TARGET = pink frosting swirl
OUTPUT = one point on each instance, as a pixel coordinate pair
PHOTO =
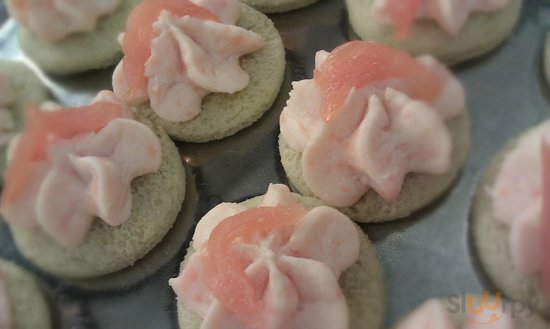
(451, 15)
(85, 177)
(297, 280)
(378, 137)
(519, 199)
(192, 57)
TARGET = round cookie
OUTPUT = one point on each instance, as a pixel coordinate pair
(278, 6)
(426, 37)
(362, 283)
(80, 52)
(490, 239)
(417, 191)
(29, 90)
(27, 86)
(29, 309)
(157, 257)
(156, 201)
(223, 115)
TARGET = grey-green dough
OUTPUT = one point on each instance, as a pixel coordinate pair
(362, 283)
(223, 115)
(490, 238)
(481, 33)
(156, 201)
(417, 191)
(29, 309)
(29, 90)
(278, 6)
(80, 52)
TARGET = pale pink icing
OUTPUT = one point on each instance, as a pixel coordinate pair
(298, 280)
(85, 177)
(451, 15)
(192, 57)
(356, 150)
(5, 309)
(54, 20)
(517, 199)
(433, 315)
(228, 12)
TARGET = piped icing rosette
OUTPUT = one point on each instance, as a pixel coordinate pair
(276, 265)
(446, 29)
(191, 49)
(72, 166)
(369, 117)
(520, 200)
(450, 15)
(54, 20)
(511, 222)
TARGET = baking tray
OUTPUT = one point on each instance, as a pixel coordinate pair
(426, 255)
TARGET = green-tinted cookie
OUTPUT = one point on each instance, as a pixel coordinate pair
(481, 33)
(80, 52)
(362, 283)
(156, 201)
(491, 240)
(223, 115)
(417, 192)
(29, 309)
(29, 90)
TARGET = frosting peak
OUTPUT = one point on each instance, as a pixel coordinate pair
(518, 198)
(293, 273)
(384, 139)
(191, 57)
(79, 176)
(377, 137)
(451, 15)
